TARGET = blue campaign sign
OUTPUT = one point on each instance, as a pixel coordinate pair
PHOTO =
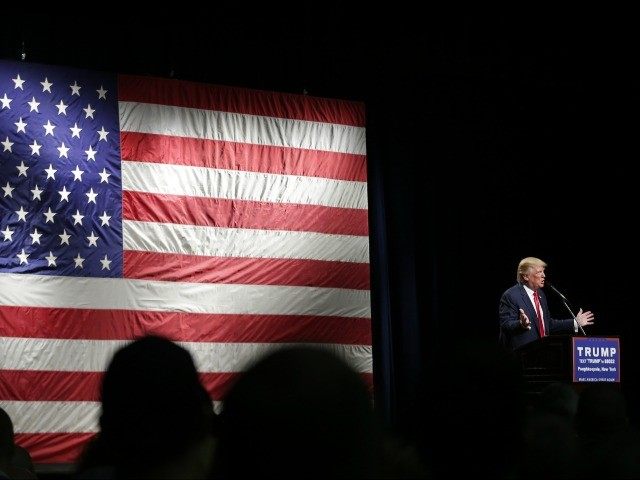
(596, 359)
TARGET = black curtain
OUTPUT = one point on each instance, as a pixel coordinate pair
(492, 138)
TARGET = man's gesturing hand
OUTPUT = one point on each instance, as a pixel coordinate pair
(524, 320)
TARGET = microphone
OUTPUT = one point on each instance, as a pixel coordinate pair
(565, 302)
(557, 291)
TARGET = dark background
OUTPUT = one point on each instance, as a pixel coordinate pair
(491, 137)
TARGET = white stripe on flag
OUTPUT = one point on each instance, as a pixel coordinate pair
(95, 355)
(57, 417)
(237, 357)
(243, 242)
(53, 417)
(127, 294)
(241, 128)
(239, 185)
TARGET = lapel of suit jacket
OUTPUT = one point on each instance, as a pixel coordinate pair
(530, 310)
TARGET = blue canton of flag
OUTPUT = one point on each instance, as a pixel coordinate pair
(60, 181)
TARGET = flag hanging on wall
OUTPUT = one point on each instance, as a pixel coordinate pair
(226, 219)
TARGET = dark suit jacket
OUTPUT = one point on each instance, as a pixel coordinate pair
(512, 335)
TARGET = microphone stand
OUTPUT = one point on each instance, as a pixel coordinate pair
(574, 317)
(564, 302)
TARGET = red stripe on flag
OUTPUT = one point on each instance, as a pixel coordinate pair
(35, 385)
(152, 148)
(54, 447)
(216, 212)
(173, 267)
(239, 100)
(38, 385)
(181, 326)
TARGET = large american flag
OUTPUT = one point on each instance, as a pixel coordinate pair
(229, 220)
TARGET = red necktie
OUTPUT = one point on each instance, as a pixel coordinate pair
(536, 300)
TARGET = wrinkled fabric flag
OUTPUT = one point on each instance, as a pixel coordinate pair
(229, 220)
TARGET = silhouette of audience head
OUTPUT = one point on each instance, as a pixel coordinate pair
(558, 399)
(297, 413)
(609, 445)
(475, 404)
(551, 417)
(15, 461)
(6, 440)
(154, 408)
(601, 411)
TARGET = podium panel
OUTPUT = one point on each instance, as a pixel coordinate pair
(546, 361)
(569, 359)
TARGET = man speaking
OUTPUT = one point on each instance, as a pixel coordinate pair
(524, 313)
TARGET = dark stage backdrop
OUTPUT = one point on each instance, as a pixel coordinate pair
(518, 140)
(491, 138)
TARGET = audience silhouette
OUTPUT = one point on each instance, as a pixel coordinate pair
(157, 420)
(301, 413)
(558, 398)
(475, 404)
(551, 449)
(609, 445)
(15, 461)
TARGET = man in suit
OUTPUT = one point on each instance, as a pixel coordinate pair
(524, 313)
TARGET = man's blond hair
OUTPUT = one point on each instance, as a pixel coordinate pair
(526, 265)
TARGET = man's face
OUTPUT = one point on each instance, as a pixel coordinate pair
(535, 278)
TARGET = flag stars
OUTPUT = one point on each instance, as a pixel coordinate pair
(23, 257)
(102, 93)
(77, 174)
(21, 126)
(33, 105)
(104, 219)
(63, 151)
(69, 110)
(18, 82)
(62, 108)
(22, 169)
(22, 214)
(64, 237)
(7, 190)
(91, 154)
(75, 131)
(78, 261)
(88, 111)
(103, 134)
(106, 263)
(51, 260)
(8, 234)
(91, 195)
(64, 194)
(51, 172)
(46, 85)
(36, 192)
(48, 128)
(104, 176)
(6, 102)
(77, 218)
(93, 240)
(35, 148)
(48, 216)
(35, 236)
(75, 88)
(7, 145)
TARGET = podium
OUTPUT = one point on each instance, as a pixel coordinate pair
(575, 360)
(546, 361)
